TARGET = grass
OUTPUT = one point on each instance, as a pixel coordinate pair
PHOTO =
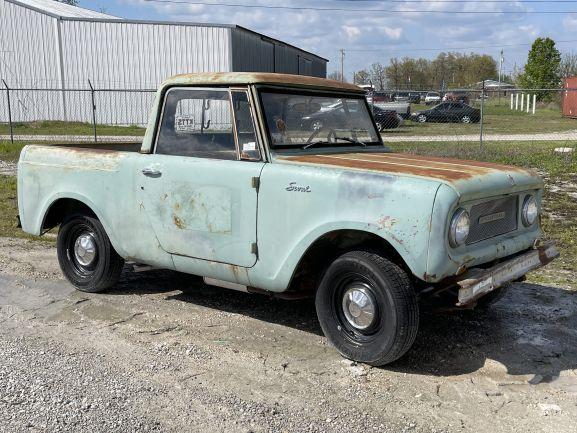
(497, 119)
(559, 219)
(70, 128)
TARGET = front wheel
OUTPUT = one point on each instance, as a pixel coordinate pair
(465, 119)
(367, 308)
(86, 256)
(421, 118)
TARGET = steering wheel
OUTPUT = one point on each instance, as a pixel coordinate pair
(330, 134)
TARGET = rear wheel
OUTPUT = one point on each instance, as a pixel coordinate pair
(465, 119)
(421, 118)
(380, 126)
(86, 256)
(367, 308)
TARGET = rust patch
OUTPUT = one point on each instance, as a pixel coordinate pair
(178, 222)
(440, 168)
(386, 222)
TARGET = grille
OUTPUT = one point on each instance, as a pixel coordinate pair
(493, 218)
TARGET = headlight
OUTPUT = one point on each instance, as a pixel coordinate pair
(530, 211)
(459, 230)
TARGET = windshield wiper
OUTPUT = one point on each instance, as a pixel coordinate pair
(313, 143)
(352, 140)
(325, 142)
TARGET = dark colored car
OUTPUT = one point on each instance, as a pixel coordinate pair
(448, 112)
(335, 116)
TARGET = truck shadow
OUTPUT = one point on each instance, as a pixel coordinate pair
(531, 331)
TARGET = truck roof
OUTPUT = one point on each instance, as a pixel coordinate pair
(244, 78)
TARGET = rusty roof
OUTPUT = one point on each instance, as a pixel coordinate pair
(243, 78)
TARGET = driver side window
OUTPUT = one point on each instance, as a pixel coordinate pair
(197, 123)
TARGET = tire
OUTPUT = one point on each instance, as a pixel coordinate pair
(491, 298)
(421, 118)
(86, 256)
(466, 119)
(395, 319)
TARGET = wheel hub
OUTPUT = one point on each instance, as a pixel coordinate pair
(359, 306)
(85, 249)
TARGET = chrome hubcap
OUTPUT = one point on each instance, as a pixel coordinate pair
(359, 307)
(85, 249)
(317, 125)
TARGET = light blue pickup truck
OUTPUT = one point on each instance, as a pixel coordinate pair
(233, 184)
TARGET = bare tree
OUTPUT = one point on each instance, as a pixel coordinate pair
(362, 77)
(378, 76)
(336, 75)
(568, 66)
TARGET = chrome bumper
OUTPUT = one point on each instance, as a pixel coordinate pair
(478, 282)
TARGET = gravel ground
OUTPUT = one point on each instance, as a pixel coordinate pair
(162, 352)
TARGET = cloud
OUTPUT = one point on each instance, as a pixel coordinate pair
(352, 32)
(392, 33)
(570, 22)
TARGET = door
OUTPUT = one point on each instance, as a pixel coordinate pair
(197, 190)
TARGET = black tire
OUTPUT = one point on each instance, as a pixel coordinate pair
(487, 301)
(396, 317)
(104, 269)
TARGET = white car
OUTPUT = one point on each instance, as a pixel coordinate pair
(432, 98)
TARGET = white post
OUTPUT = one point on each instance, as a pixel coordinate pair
(522, 101)
(528, 102)
(534, 102)
(516, 101)
(511, 101)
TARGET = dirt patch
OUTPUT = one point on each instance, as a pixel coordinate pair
(163, 352)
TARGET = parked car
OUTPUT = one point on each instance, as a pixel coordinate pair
(335, 116)
(448, 112)
(225, 187)
(456, 97)
(432, 98)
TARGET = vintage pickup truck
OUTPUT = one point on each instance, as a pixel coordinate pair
(228, 185)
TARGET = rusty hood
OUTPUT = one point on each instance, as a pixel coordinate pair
(470, 178)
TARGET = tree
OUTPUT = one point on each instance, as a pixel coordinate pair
(69, 2)
(568, 65)
(336, 75)
(542, 68)
(362, 77)
(378, 76)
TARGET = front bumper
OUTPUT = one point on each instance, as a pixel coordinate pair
(478, 282)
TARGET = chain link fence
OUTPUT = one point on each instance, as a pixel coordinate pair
(456, 119)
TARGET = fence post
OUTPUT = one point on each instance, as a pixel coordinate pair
(93, 110)
(528, 102)
(511, 101)
(481, 120)
(522, 101)
(516, 101)
(9, 111)
(534, 102)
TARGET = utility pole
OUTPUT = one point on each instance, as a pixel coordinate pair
(500, 70)
(342, 51)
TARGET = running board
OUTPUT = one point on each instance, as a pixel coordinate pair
(225, 284)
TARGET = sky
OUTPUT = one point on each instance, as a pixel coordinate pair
(378, 30)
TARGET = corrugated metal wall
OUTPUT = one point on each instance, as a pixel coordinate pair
(254, 52)
(28, 47)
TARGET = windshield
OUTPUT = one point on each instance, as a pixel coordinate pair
(304, 120)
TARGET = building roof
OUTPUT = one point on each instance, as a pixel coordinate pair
(243, 78)
(68, 12)
(60, 10)
(494, 83)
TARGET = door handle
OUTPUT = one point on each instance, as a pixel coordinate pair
(151, 172)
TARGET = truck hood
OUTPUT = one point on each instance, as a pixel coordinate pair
(470, 179)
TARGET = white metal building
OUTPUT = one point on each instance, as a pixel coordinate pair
(45, 44)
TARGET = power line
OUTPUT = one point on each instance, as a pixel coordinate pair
(371, 10)
(369, 50)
